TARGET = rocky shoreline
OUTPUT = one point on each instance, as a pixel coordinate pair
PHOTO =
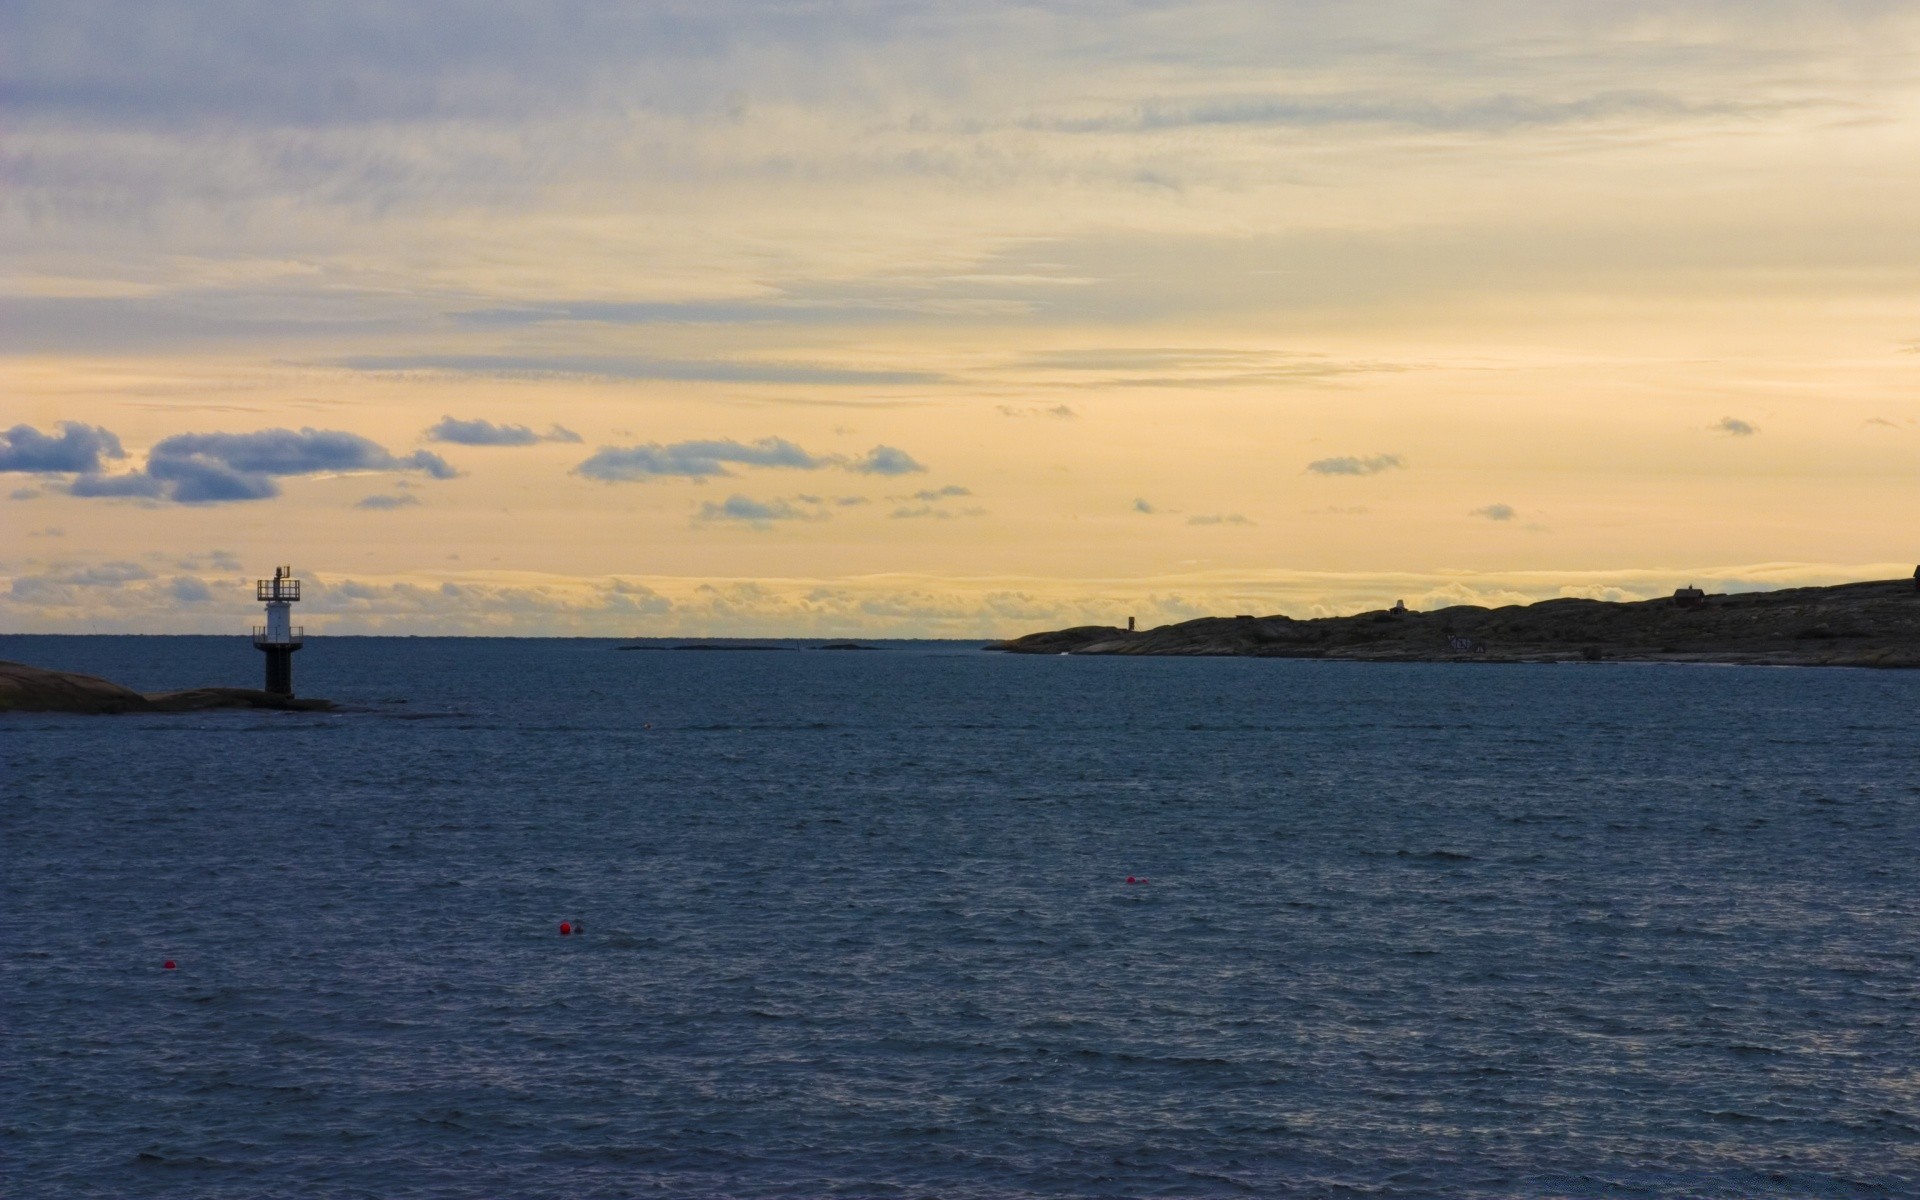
(36, 689)
(1849, 625)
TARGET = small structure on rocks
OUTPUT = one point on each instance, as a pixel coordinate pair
(1689, 597)
(279, 637)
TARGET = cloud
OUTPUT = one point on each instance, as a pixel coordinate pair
(387, 502)
(929, 512)
(510, 366)
(1495, 512)
(1141, 506)
(896, 605)
(696, 459)
(189, 590)
(931, 494)
(746, 510)
(885, 460)
(24, 494)
(1736, 427)
(486, 433)
(216, 468)
(1490, 114)
(1351, 465)
(1219, 519)
(705, 459)
(77, 448)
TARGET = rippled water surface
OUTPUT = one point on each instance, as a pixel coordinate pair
(859, 924)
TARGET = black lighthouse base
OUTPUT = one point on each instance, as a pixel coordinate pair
(280, 668)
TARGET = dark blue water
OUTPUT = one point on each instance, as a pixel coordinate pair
(857, 924)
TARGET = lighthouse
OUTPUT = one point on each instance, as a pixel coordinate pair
(279, 637)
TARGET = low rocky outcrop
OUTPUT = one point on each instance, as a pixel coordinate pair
(36, 689)
(1853, 625)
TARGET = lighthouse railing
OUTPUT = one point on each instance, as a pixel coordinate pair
(276, 589)
(294, 636)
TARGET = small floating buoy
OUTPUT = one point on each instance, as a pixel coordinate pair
(565, 929)
(167, 965)
(1131, 879)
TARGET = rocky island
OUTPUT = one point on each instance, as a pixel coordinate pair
(36, 689)
(1850, 625)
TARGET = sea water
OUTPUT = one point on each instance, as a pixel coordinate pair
(858, 923)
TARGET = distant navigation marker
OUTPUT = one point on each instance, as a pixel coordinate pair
(279, 637)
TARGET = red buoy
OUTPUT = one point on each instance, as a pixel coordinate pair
(565, 929)
(1131, 879)
(167, 965)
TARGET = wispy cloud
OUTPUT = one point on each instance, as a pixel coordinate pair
(486, 433)
(933, 512)
(696, 459)
(747, 511)
(1219, 519)
(385, 503)
(510, 366)
(1497, 113)
(1352, 465)
(1495, 512)
(1736, 427)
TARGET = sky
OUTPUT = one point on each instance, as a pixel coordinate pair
(924, 319)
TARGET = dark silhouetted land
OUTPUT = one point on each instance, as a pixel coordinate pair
(1851, 625)
(36, 689)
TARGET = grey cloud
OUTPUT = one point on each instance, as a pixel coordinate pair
(748, 511)
(107, 574)
(688, 370)
(24, 494)
(1496, 512)
(387, 503)
(702, 459)
(1736, 427)
(1352, 465)
(137, 484)
(1141, 506)
(188, 590)
(1219, 519)
(1487, 114)
(885, 460)
(76, 448)
(932, 494)
(215, 468)
(695, 459)
(486, 433)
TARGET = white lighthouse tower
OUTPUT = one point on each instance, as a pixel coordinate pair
(279, 637)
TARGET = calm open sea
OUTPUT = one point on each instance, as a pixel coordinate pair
(858, 924)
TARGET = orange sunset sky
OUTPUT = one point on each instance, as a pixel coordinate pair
(917, 319)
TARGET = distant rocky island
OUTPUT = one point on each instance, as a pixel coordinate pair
(1851, 625)
(36, 689)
